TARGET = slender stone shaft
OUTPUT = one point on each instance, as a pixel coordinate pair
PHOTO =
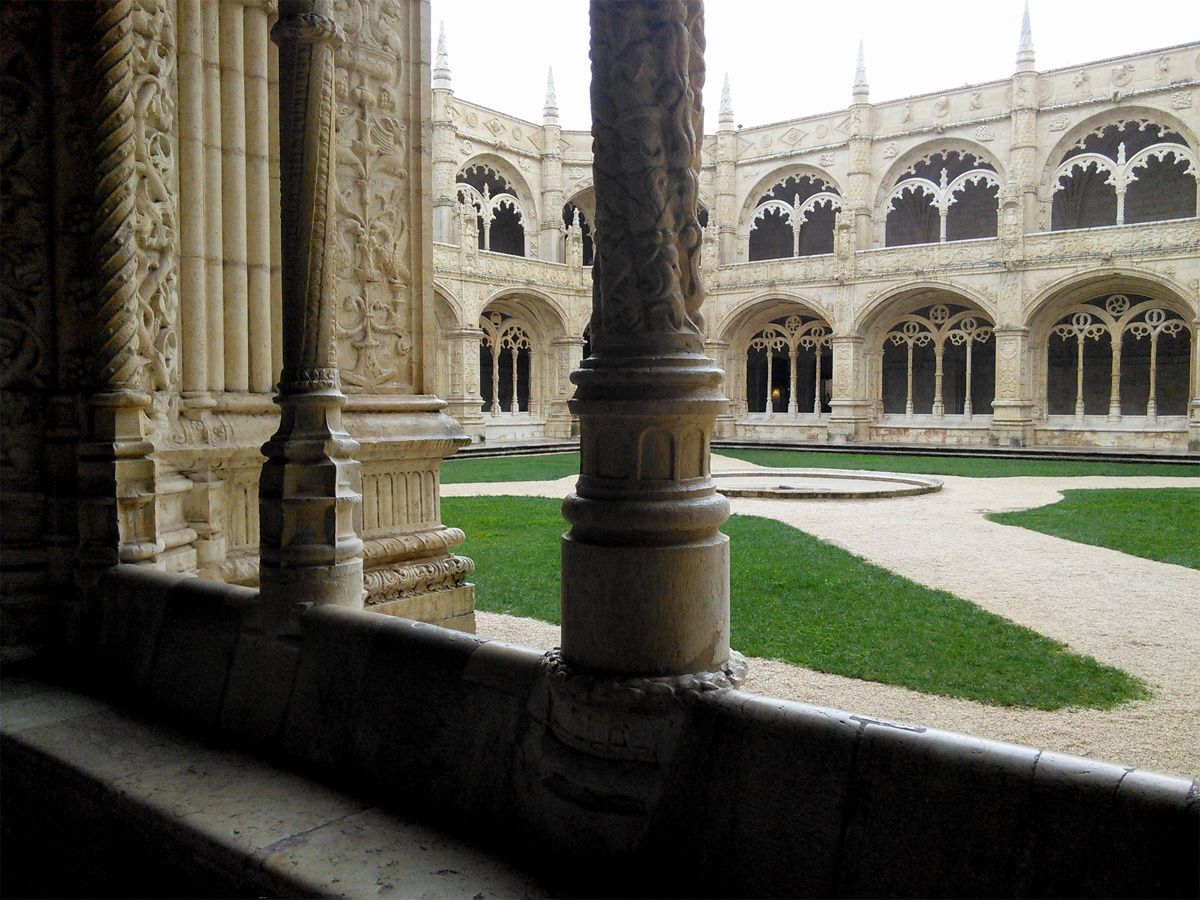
(233, 195)
(213, 241)
(310, 499)
(276, 230)
(645, 567)
(191, 218)
(258, 198)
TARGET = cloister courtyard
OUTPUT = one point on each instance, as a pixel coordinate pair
(1133, 614)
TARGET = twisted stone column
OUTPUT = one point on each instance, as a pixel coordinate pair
(310, 499)
(645, 567)
(116, 471)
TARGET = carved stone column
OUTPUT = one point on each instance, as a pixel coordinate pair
(1194, 406)
(859, 176)
(645, 567)
(718, 351)
(386, 326)
(464, 402)
(1012, 410)
(117, 474)
(850, 408)
(1023, 151)
(566, 355)
(310, 510)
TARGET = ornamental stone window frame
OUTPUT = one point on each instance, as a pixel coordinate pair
(891, 179)
(1120, 171)
(750, 207)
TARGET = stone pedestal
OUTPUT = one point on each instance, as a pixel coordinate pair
(850, 410)
(1012, 410)
(409, 565)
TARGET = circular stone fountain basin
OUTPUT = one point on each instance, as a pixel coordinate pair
(822, 484)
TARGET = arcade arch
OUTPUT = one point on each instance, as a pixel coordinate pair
(946, 195)
(1116, 354)
(795, 216)
(782, 348)
(517, 360)
(501, 215)
(1125, 171)
(932, 355)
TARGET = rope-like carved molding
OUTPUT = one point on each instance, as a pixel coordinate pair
(395, 548)
(386, 585)
(307, 181)
(308, 28)
(299, 381)
(115, 350)
(625, 717)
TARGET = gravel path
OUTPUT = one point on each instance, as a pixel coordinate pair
(1138, 615)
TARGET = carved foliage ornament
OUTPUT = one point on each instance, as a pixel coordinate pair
(375, 309)
(647, 76)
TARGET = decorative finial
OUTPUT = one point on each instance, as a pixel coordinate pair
(550, 108)
(1025, 49)
(725, 115)
(441, 67)
(861, 91)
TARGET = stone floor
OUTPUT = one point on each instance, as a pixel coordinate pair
(1136, 614)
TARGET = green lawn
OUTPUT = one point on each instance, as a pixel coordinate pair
(826, 609)
(545, 467)
(555, 465)
(1155, 523)
(971, 467)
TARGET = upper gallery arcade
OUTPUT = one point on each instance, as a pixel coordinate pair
(1014, 263)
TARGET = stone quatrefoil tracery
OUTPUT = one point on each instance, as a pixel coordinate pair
(964, 328)
(502, 333)
(792, 335)
(1116, 316)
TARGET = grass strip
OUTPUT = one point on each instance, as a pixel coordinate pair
(1162, 524)
(552, 466)
(542, 467)
(968, 466)
(800, 600)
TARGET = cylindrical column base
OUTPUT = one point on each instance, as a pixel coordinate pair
(297, 588)
(646, 610)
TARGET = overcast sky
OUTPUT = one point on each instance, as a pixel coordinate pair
(790, 58)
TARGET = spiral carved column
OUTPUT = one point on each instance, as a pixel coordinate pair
(645, 566)
(310, 492)
(116, 471)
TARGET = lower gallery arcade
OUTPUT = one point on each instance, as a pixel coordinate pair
(1092, 367)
